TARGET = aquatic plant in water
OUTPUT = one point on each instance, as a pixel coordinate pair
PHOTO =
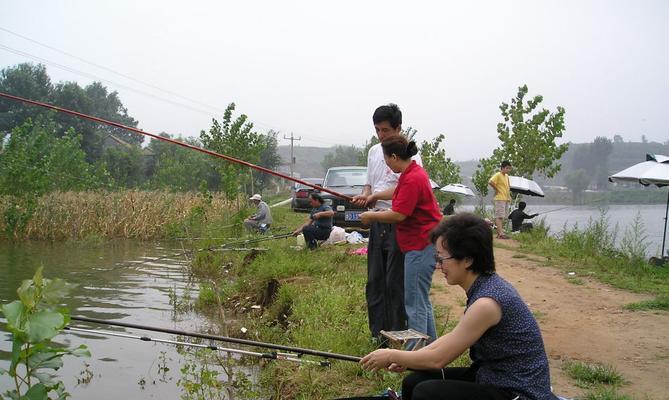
(33, 321)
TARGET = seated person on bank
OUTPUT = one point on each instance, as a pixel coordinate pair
(449, 209)
(504, 341)
(262, 219)
(517, 217)
(319, 224)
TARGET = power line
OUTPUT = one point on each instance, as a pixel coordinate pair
(218, 110)
(126, 76)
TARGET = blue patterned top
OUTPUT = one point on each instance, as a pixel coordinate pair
(511, 354)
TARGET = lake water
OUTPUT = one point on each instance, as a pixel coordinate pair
(111, 284)
(651, 215)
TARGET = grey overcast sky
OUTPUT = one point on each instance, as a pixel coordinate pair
(319, 69)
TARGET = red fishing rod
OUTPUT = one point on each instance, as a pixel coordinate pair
(164, 139)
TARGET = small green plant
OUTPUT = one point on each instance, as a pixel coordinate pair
(605, 394)
(659, 303)
(592, 375)
(33, 321)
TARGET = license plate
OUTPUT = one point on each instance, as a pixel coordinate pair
(352, 215)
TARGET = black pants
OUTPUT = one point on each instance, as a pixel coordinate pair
(385, 280)
(451, 384)
(312, 233)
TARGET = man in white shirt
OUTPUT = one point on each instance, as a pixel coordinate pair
(385, 262)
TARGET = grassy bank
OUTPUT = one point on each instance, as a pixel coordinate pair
(109, 215)
(593, 251)
(309, 299)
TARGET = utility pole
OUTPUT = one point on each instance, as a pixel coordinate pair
(292, 158)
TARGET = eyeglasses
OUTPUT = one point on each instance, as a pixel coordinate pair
(440, 260)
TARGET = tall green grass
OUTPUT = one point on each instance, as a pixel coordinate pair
(122, 214)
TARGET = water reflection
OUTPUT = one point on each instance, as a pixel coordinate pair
(113, 281)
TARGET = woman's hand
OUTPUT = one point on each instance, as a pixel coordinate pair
(376, 360)
(396, 368)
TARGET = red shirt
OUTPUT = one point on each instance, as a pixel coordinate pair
(413, 197)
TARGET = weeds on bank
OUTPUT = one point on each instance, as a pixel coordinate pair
(592, 251)
(660, 303)
(319, 304)
(590, 375)
(122, 214)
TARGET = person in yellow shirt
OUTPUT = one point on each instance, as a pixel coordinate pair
(500, 182)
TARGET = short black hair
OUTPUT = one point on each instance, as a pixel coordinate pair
(522, 205)
(505, 163)
(452, 201)
(390, 113)
(400, 146)
(317, 197)
(466, 235)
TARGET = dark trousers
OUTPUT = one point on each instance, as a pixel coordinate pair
(385, 280)
(312, 233)
(451, 384)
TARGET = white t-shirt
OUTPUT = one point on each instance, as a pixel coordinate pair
(379, 176)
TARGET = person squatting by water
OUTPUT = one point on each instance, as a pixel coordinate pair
(505, 345)
(319, 223)
(415, 211)
(500, 183)
(449, 209)
(262, 219)
(517, 217)
(384, 290)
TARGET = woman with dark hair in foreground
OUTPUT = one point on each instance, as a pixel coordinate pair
(508, 356)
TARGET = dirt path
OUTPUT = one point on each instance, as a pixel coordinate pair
(583, 322)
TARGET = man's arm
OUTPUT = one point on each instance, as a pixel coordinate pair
(324, 214)
(387, 216)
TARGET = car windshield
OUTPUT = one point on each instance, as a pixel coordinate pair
(346, 177)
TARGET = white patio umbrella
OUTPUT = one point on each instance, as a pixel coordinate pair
(458, 189)
(526, 186)
(653, 171)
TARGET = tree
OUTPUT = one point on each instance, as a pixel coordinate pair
(177, 168)
(34, 162)
(439, 167)
(235, 138)
(25, 80)
(32, 82)
(485, 169)
(362, 157)
(600, 151)
(528, 136)
(107, 105)
(577, 181)
(617, 139)
(269, 158)
(342, 156)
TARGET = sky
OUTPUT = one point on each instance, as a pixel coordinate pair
(319, 69)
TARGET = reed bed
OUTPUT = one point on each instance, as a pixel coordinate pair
(124, 214)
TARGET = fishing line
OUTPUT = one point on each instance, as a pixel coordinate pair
(227, 339)
(270, 356)
(172, 141)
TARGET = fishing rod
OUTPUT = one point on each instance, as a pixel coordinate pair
(172, 141)
(221, 339)
(270, 356)
(562, 208)
(223, 247)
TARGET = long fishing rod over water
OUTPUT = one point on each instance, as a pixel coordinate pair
(269, 356)
(172, 141)
(227, 339)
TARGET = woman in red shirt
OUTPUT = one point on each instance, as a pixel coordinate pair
(415, 211)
